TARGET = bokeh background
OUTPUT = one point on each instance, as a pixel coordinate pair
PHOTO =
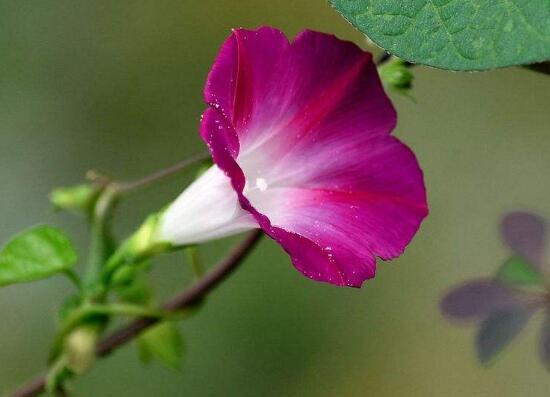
(116, 86)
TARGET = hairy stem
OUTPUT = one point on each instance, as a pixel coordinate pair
(181, 301)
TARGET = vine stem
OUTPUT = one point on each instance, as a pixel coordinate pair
(181, 301)
(124, 187)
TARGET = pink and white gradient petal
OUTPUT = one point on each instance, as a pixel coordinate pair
(303, 131)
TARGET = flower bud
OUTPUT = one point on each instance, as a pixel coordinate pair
(80, 349)
(79, 198)
(143, 244)
(396, 75)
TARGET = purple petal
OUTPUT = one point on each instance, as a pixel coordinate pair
(352, 210)
(499, 329)
(306, 143)
(243, 68)
(525, 234)
(476, 299)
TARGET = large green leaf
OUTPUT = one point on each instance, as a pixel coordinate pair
(163, 342)
(455, 34)
(34, 254)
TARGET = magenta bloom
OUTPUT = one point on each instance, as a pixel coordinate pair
(303, 131)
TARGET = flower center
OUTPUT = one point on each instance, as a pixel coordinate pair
(261, 184)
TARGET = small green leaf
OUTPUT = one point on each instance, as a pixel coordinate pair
(163, 342)
(130, 284)
(516, 271)
(36, 254)
(457, 34)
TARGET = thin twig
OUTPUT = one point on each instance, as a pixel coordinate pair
(124, 187)
(179, 302)
(33, 388)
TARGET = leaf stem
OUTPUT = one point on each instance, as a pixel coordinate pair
(196, 262)
(74, 278)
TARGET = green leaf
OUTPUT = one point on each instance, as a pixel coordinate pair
(35, 254)
(455, 34)
(163, 342)
(516, 271)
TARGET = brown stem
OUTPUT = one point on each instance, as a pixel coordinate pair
(33, 388)
(181, 301)
(124, 187)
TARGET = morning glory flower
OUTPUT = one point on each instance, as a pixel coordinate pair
(300, 134)
(503, 305)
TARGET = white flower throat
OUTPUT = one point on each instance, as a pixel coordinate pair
(261, 184)
(209, 209)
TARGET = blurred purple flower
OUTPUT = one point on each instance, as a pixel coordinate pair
(502, 305)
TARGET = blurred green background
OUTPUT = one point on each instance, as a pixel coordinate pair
(116, 85)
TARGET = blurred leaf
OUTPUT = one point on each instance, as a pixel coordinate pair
(515, 271)
(459, 35)
(130, 284)
(35, 254)
(138, 292)
(58, 375)
(68, 305)
(525, 234)
(499, 329)
(476, 299)
(545, 342)
(163, 342)
(80, 198)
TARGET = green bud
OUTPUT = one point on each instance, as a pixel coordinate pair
(80, 198)
(396, 75)
(143, 244)
(80, 349)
